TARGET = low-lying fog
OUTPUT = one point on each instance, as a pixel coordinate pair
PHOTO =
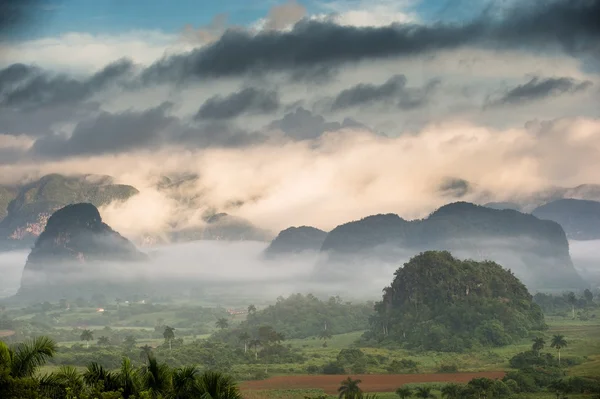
(238, 268)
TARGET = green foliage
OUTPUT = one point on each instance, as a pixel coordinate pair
(300, 316)
(437, 302)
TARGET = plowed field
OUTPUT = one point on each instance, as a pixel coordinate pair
(370, 382)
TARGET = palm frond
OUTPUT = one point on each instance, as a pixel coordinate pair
(28, 356)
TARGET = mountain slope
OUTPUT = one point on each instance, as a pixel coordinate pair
(579, 218)
(536, 250)
(27, 212)
(297, 240)
(72, 244)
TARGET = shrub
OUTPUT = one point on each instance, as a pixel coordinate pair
(448, 368)
(333, 368)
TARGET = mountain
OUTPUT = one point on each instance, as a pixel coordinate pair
(503, 205)
(25, 209)
(297, 240)
(440, 303)
(222, 226)
(536, 250)
(579, 218)
(73, 247)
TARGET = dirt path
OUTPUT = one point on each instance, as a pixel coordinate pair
(370, 382)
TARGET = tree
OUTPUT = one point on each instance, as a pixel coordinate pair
(251, 309)
(24, 359)
(244, 337)
(538, 345)
(184, 382)
(145, 352)
(156, 378)
(103, 341)
(404, 392)
(424, 393)
(349, 389)
(481, 386)
(325, 335)
(222, 323)
(452, 391)
(118, 302)
(128, 379)
(558, 342)
(572, 301)
(129, 341)
(169, 335)
(87, 336)
(255, 343)
(589, 296)
(215, 385)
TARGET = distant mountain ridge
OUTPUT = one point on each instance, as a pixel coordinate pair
(579, 218)
(537, 250)
(297, 240)
(26, 208)
(73, 243)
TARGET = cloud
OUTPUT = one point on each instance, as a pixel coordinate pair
(109, 133)
(568, 25)
(16, 15)
(392, 89)
(284, 15)
(302, 124)
(248, 100)
(539, 88)
(29, 88)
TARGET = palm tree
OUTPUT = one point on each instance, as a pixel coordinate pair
(424, 393)
(572, 299)
(156, 378)
(214, 385)
(129, 341)
(87, 336)
(255, 343)
(128, 379)
(244, 337)
(325, 335)
(538, 344)
(404, 392)
(251, 309)
(96, 374)
(145, 352)
(222, 323)
(69, 377)
(349, 389)
(558, 342)
(452, 391)
(481, 386)
(24, 359)
(169, 335)
(184, 382)
(103, 341)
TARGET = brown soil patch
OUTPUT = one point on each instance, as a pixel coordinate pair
(6, 333)
(370, 382)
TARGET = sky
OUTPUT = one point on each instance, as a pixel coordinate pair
(308, 112)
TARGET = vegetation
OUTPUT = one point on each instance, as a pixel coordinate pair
(437, 302)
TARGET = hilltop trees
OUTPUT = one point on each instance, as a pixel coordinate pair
(437, 302)
(169, 335)
(538, 345)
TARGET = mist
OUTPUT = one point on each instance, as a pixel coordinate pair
(341, 176)
(586, 258)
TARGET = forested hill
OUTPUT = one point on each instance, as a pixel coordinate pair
(25, 209)
(297, 240)
(536, 250)
(438, 302)
(579, 218)
(67, 252)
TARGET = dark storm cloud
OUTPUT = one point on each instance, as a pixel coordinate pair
(16, 15)
(304, 125)
(571, 25)
(28, 87)
(394, 89)
(109, 133)
(537, 89)
(246, 101)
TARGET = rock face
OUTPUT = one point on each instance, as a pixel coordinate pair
(222, 227)
(73, 246)
(297, 240)
(25, 209)
(536, 250)
(579, 218)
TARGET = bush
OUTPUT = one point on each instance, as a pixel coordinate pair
(529, 359)
(312, 369)
(333, 368)
(350, 356)
(448, 368)
(402, 366)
